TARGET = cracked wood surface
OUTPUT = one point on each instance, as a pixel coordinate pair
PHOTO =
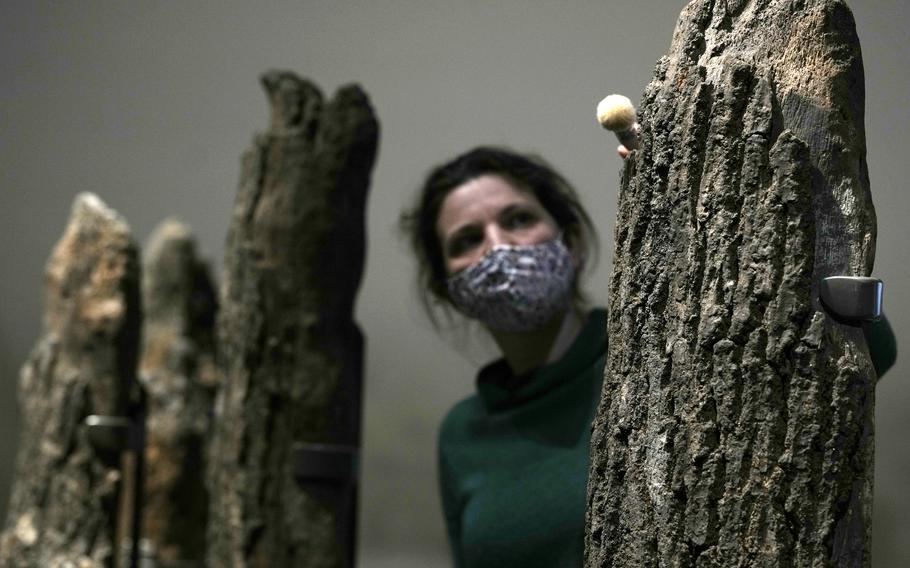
(290, 353)
(64, 502)
(735, 427)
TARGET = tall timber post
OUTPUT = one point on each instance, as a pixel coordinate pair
(282, 477)
(736, 423)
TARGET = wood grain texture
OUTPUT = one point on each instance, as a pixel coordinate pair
(177, 369)
(63, 509)
(735, 427)
(289, 351)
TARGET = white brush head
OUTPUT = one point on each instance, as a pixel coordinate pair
(616, 113)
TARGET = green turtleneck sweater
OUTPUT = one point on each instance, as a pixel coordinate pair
(513, 458)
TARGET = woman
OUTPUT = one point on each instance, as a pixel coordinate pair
(502, 238)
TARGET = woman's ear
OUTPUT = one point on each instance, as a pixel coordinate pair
(571, 242)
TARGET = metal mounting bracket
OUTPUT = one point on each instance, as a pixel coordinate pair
(325, 463)
(115, 433)
(852, 300)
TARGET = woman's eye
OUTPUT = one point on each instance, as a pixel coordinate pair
(461, 244)
(521, 219)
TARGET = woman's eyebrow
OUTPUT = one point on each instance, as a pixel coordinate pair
(517, 206)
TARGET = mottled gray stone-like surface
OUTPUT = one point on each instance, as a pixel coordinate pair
(735, 427)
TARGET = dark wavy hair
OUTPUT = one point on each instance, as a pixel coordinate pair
(528, 173)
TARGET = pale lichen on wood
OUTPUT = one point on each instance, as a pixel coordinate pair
(65, 495)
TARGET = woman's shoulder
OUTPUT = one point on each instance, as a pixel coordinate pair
(457, 420)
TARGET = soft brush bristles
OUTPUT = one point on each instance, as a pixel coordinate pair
(616, 113)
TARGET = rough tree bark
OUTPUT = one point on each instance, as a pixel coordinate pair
(735, 427)
(289, 351)
(63, 508)
(177, 369)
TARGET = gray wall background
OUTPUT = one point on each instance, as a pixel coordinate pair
(150, 105)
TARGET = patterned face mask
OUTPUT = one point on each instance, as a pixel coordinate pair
(516, 288)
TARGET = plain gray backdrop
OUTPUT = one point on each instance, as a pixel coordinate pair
(150, 105)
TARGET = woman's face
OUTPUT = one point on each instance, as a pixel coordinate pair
(485, 212)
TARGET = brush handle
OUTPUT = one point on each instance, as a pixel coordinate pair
(629, 138)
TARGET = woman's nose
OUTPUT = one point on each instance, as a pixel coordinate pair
(495, 236)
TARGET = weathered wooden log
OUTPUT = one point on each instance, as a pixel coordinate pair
(735, 427)
(177, 369)
(289, 351)
(63, 509)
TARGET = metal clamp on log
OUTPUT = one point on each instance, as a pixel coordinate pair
(115, 433)
(112, 435)
(852, 300)
(325, 463)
